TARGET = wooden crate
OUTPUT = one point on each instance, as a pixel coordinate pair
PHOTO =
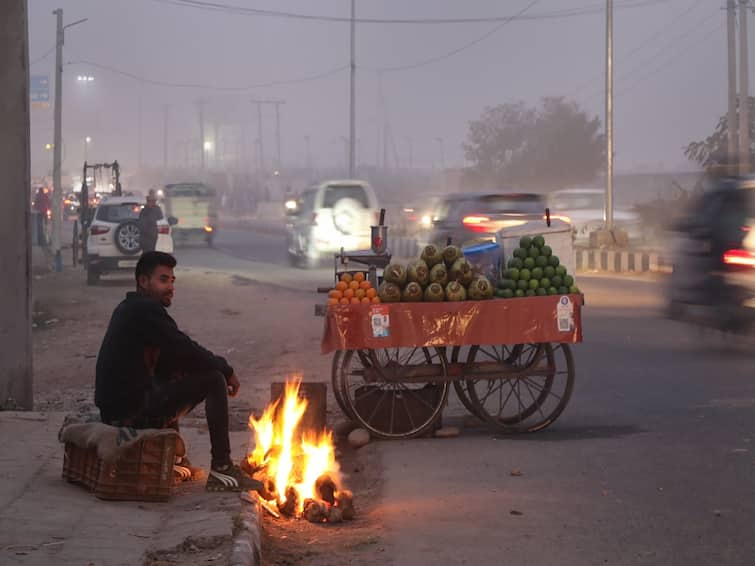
(144, 472)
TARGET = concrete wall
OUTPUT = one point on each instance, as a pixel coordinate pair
(15, 182)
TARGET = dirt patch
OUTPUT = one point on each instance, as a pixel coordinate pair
(289, 542)
(192, 552)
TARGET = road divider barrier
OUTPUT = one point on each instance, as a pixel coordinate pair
(621, 261)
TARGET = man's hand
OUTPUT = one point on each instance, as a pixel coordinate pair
(233, 385)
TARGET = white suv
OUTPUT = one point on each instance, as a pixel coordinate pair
(331, 216)
(113, 237)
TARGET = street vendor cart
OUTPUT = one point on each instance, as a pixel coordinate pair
(509, 361)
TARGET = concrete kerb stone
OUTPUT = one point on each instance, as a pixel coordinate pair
(639, 261)
(247, 539)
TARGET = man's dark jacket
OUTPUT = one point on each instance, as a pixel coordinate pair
(139, 322)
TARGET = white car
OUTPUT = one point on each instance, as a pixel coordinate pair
(113, 237)
(584, 208)
(331, 216)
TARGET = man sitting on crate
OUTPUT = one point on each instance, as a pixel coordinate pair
(149, 373)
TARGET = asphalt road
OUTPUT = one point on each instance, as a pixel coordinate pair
(652, 462)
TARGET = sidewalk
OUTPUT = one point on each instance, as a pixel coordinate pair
(45, 520)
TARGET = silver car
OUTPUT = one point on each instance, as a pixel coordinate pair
(584, 209)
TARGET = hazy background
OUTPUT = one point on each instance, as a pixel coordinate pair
(670, 76)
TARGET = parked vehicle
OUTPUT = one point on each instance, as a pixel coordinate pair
(468, 218)
(113, 237)
(713, 279)
(328, 217)
(585, 209)
(195, 207)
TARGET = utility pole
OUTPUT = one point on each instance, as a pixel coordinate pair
(309, 155)
(277, 104)
(57, 196)
(352, 105)
(200, 107)
(609, 115)
(165, 135)
(57, 145)
(744, 92)
(411, 152)
(15, 253)
(731, 51)
(139, 130)
(259, 136)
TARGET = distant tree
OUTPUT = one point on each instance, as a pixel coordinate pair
(551, 146)
(710, 150)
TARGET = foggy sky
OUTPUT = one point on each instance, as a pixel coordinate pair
(669, 90)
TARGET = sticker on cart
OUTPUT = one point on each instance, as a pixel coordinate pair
(380, 321)
(565, 314)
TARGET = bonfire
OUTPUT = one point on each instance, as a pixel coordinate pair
(298, 467)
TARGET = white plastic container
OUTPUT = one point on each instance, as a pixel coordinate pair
(558, 236)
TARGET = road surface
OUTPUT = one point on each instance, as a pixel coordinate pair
(652, 462)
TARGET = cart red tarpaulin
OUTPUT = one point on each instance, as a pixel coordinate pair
(553, 318)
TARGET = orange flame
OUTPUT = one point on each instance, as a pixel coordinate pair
(291, 459)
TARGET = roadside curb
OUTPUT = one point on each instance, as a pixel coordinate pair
(621, 261)
(247, 544)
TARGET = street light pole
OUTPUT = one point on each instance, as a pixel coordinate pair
(57, 145)
(609, 115)
(352, 105)
(731, 52)
(87, 141)
(744, 92)
(57, 198)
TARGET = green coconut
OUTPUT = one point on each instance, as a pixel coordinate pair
(395, 273)
(431, 255)
(451, 254)
(389, 292)
(434, 293)
(439, 274)
(412, 292)
(455, 291)
(461, 271)
(418, 272)
(480, 289)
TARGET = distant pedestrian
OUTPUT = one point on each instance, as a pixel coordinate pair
(148, 219)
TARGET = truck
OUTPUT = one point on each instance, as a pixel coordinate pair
(195, 207)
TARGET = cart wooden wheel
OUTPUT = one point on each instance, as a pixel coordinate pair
(356, 363)
(521, 388)
(400, 393)
(460, 385)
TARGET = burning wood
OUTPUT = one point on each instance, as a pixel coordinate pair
(325, 489)
(290, 504)
(315, 511)
(299, 468)
(345, 502)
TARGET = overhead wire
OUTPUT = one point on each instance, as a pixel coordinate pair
(455, 51)
(660, 52)
(637, 48)
(200, 86)
(43, 57)
(703, 39)
(552, 14)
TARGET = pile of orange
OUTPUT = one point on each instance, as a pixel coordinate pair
(353, 290)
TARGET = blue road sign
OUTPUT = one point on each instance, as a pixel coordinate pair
(39, 88)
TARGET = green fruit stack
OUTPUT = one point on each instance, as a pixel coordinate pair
(533, 270)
